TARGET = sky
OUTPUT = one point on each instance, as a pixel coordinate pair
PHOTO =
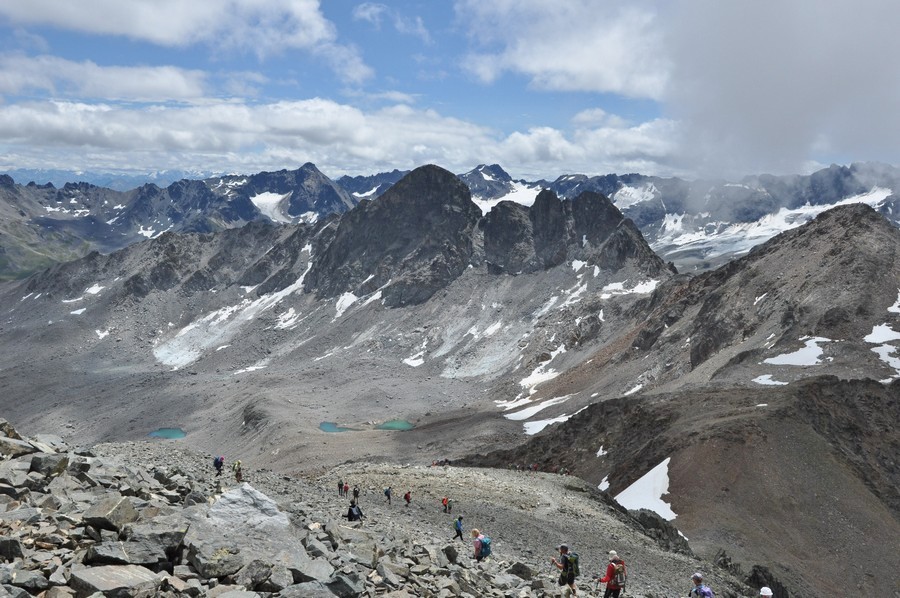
(690, 88)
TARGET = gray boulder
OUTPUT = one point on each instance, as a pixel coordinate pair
(110, 580)
(346, 586)
(49, 464)
(310, 589)
(11, 447)
(125, 553)
(111, 513)
(212, 559)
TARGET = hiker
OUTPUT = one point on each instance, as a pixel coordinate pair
(238, 470)
(354, 513)
(766, 592)
(346, 488)
(457, 525)
(700, 589)
(615, 576)
(387, 494)
(356, 493)
(218, 463)
(482, 545)
(340, 487)
(566, 564)
(444, 503)
(408, 497)
(449, 505)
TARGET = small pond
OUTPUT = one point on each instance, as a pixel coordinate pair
(333, 427)
(395, 424)
(168, 433)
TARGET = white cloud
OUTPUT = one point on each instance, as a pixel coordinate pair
(375, 13)
(234, 136)
(57, 76)
(579, 45)
(261, 28)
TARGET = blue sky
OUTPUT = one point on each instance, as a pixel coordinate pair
(542, 87)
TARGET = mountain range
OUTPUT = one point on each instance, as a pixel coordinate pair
(755, 401)
(697, 225)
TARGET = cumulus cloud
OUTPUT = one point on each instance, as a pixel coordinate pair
(340, 139)
(579, 45)
(262, 28)
(767, 86)
(25, 74)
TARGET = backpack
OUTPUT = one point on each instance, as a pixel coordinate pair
(485, 547)
(572, 557)
(619, 574)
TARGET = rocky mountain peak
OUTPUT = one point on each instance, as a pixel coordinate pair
(589, 228)
(418, 237)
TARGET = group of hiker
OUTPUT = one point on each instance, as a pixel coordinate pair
(568, 564)
(236, 467)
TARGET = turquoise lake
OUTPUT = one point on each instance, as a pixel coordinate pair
(168, 433)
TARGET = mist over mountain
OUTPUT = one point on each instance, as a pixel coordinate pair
(545, 331)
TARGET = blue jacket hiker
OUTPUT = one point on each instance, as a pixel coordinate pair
(457, 525)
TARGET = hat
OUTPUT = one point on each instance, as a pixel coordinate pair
(765, 591)
(613, 554)
(697, 576)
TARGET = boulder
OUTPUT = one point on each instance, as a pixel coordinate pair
(111, 513)
(125, 553)
(60, 592)
(312, 570)
(11, 548)
(57, 444)
(8, 431)
(49, 464)
(11, 447)
(521, 570)
(110, 580)
(245, 506)
(253, 574)
(346, 586)
(33, 581)
(309, 589)
(211, 559)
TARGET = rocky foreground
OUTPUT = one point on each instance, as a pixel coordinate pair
(152, 519)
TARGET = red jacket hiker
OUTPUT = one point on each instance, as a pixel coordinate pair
(610, 577)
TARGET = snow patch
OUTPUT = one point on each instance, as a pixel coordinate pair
(647, 492)
(619, 288)
(78, 312)
(767, 380)
(535, 409)
(601, 452)
(268, 205)
(809, 355)
(102, 334)
(603, 486)
(343, 304)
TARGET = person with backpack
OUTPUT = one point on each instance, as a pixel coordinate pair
(444, 503)
(457, 525)
(238, 470)
(355, 493)
(449, 505)
(354, 513)
(340, 487)
(408, 497)
(700, 589)
(218, 463)
(387, 494)
(568, 565)
(346, 488)
(482, 545)
(615, 577)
